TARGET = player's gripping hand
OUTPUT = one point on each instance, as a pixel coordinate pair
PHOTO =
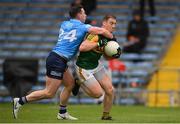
(102, 42)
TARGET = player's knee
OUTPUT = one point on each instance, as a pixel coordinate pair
(49, 94)
(110, 91)
(97, 94)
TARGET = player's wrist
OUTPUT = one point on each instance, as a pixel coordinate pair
(102, 43)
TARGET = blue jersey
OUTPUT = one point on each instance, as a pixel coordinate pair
(71, 35)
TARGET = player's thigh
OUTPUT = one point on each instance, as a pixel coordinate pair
(103, 78)
(52, 85)
(92, 87)
(88, 82)
(68, 79)
(55, 68)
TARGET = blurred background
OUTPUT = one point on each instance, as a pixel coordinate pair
(147, 73)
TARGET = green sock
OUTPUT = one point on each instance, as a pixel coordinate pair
(105, 114)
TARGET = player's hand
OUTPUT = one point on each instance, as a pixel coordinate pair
(114, 39)
(102, 42)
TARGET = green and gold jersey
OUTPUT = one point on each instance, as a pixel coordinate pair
(89, 59)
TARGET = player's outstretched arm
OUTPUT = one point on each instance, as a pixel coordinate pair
(87, 45)
(102, 31)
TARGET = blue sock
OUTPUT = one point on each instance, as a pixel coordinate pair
(22, 100)
(62, 109)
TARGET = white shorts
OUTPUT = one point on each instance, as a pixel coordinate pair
(84, 75)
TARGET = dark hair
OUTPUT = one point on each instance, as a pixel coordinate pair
(106, 17)
(136, 12)
(75, 10)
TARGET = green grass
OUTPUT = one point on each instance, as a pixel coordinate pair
(38, 113)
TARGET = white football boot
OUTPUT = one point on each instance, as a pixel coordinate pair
(65, 116)
(16, 107)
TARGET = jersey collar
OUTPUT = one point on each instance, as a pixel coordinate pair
(75, 20)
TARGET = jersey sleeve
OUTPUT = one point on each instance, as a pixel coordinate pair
(87, 27)
(92, 38)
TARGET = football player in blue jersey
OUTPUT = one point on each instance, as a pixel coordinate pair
(71, 35)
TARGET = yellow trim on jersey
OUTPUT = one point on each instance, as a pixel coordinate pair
(92, 38)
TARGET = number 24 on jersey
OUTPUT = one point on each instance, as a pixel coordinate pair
(71, 36)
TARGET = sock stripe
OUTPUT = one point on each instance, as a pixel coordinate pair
(24, 99)
(62, 105)
(62, 109)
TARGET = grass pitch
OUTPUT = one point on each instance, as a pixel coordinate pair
(46, 113)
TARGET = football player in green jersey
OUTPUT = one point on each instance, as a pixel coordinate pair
(91, 73)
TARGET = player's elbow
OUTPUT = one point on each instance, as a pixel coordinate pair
(97, 30)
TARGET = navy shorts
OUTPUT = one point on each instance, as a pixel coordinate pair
(55, 66)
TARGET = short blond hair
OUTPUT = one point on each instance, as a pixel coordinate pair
(106, 17)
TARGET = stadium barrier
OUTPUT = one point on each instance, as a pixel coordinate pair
(162, 90)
